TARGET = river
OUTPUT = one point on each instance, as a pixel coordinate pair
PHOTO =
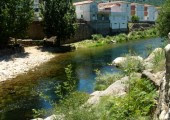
(19, 96)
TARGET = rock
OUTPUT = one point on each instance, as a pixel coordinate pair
(155, 78)
(162, 115)
(152, 55)
(118, 88)
(120, 60)
(52, 117)
(37, 119)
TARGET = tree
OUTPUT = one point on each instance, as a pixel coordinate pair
(15, 16)
(59, 19)
(163, 21)
(135, 19)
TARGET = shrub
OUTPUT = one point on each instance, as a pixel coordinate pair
(131, 65)
(97, 36)
(135, 19)
(137, 104)
(105, 80)
(159, 61)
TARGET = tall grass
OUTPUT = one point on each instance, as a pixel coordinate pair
(159, 61)
(105, 80)
(99, 40)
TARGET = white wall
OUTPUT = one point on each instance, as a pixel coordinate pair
(118, 20)
(140, 12)
(87, 12)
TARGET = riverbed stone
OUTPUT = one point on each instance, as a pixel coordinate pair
(120, 60)
(118, 88)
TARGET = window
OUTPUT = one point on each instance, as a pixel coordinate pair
(115, 23)
(36, 10)
(81, 16)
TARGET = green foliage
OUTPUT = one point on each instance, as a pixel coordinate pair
(159, 61)
(98, 40)
(137, 104)
(97, 36)
(15, 16)
(131, 65)
(163, 22)
(135, 19)
(59, 19)
(105, 80)
(68, 86)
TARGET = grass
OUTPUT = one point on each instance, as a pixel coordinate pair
(131, 65)
(99, 40)
(103, 81)
(159, 61)
(137, 104)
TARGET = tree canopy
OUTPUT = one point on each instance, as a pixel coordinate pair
(164, 19)
(59, 19)
(15, 16)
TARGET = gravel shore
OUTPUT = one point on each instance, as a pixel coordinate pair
(22, 63)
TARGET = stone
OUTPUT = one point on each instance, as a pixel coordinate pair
(37, 119)
(52, 117)
(162, 115)
(120, 60)
(118, 88)
(154, 77)
(152, 55)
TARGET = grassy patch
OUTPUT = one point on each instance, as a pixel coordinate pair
(105, 80)
(159, 61)
(131, 65)
(99, 40)
(137, 104)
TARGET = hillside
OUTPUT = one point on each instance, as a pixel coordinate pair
(153, 2)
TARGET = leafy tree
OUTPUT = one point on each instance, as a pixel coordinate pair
(163, 21)
(15, 16)
(135, 19)
(59, 19)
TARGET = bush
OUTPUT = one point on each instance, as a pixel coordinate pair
(105, 80)
(135, 19)
(137, 104)
(97, 37)
(131, 65)
(159, 61)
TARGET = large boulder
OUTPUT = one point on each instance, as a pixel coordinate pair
(150, 58)
(120, 60)
(118, 88)
(154, 77)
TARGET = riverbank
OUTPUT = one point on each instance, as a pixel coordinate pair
(133, 95)
(21, 63)
(99, 40)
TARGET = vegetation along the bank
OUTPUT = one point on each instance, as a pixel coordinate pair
(138, 103)
(99, 40)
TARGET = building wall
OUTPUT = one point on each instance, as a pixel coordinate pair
(140, 12)
(87, 12)
(118, 20)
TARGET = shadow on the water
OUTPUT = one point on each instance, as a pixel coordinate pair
(54, 49)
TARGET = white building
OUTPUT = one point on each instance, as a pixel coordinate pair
(137, 10)
(150, 13)
(36, 6)
(86, 10)
(125, 7)
(118, 18)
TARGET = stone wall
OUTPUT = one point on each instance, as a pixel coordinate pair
(35, 31)
(163, 108)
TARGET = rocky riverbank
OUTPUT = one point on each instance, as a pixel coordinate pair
(12, 66)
